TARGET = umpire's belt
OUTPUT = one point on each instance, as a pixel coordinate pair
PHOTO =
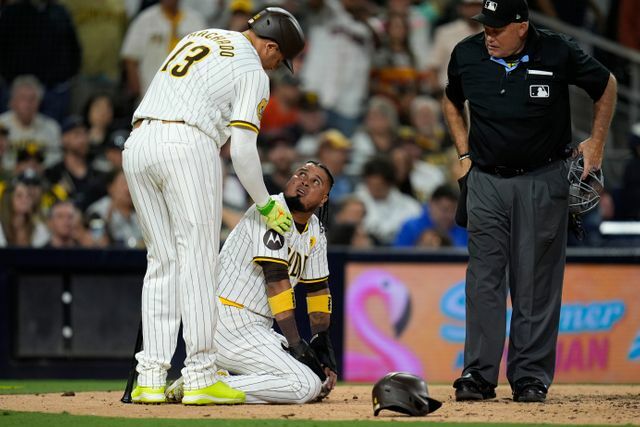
(507, 172)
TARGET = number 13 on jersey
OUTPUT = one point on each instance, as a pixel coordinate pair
(181, 61)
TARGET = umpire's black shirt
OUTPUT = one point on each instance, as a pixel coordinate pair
(521, 118)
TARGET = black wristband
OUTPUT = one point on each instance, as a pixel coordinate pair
(464, 156)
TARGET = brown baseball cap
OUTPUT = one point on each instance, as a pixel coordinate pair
(500, 13)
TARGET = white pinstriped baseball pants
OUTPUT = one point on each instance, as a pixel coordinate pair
(251, 350)
(174, 176)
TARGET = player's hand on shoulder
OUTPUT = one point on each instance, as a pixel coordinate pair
(276, 216)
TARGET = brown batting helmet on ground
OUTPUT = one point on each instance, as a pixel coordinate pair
(403, 392)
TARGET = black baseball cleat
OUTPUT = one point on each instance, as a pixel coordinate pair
(529, 390)
(472, 386)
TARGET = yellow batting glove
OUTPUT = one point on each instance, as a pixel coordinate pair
(276, 216)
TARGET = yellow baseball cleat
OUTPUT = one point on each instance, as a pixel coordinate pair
(148, 395)
(218, 393)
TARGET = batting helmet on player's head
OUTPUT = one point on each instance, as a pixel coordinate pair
(275, 23)
(403, 392)
(584, 195)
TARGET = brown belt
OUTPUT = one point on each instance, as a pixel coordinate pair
(138, 122)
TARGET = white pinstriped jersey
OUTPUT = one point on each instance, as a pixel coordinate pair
(211, 80)
(240, 278)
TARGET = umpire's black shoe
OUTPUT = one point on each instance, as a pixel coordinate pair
(529, 389)
(472, 386)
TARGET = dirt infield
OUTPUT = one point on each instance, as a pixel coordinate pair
(567, 404)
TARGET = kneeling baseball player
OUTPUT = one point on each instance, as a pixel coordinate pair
(258, 270)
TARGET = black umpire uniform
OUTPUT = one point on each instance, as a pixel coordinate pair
(517, 207)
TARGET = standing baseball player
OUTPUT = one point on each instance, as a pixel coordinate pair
(258, 270)
(211, 87)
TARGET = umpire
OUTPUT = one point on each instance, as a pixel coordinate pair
(515, 78)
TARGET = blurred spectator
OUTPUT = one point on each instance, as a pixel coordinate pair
(418, 30)
(29, 158)
(426, 119)
(414, 176)
(446, 37)
(109, 157)
(351, 210)
(432, 238)
(387, 208)
(38, 37)
(241, 12)
(311, 122)
(628, 23)
(630, 189)
(281, 157)
(27, 126)
(100, 26)
(135, 7)
(338, 61)
(149, 39)
(282, 110)
(117, 213)
(438, 215)
(62, 220)
(98, 116)
(5, 173)
(394, 67)
(353, 235)
(35, 183)
(334, 153)
(74, 174)
(378, 134)
(19, 226)
(347, 226)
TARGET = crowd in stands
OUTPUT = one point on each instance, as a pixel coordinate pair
(365, 101)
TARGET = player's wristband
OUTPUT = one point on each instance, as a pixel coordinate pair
(265, 209)
(463, 156)
(319, 304)
(285, 300)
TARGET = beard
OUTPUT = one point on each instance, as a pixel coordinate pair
(295, 204)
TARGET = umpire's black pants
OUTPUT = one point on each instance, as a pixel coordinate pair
(517, 236)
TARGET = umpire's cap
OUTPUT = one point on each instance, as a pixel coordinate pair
(403, 392)
(500, 13)
(275, 23)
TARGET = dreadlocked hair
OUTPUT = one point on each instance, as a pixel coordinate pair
(323, 211)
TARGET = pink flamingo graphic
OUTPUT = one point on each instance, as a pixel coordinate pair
(389, 355)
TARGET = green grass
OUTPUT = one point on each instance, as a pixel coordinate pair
(55, 386)
(35, 419)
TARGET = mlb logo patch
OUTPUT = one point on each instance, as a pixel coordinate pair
(491, 5)
(539, 91)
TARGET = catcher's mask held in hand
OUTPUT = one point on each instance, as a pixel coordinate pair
(583, 195)
(403, 392)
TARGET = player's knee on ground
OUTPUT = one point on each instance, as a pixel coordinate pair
(306, 385)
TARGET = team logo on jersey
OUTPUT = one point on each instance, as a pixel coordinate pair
(261, 106)
(312, 242)
(273, 240)
(539, 91)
